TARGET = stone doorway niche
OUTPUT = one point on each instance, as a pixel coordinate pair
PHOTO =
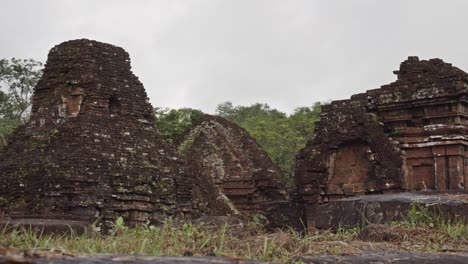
(423, 178)
(115, 105)
(71, 102)
(350, 167)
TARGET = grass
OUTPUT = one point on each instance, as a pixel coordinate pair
(250, 241)
(421, 231)
(433, 231)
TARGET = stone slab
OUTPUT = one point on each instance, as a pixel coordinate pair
(119, 259)
(398, 257)
(394, 257)
(47, 226)
(385, 208)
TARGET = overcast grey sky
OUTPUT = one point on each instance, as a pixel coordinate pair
(198, 53)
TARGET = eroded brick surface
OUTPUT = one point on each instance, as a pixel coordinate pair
(91, 150)
(408, 135)
(235, 176)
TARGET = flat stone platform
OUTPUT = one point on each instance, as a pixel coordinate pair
(47, 226)
(385, 208)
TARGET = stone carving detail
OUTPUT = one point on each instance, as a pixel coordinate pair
(235, 176)
(409, 135)
(90, 150)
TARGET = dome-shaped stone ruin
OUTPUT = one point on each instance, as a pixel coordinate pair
(90, 150)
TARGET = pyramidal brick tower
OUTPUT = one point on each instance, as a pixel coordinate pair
(234, 175)
(90, 150)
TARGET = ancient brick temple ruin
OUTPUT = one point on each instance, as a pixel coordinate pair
(235, 176)
(408, 135)
(90, 150)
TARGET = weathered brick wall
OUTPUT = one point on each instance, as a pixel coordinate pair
(407, 135)
(351, 138)
(235, 176)
(426, 112)
(91, 150)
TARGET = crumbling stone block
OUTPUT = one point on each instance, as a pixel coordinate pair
(409, 135)
(235, 176)
(90, 149)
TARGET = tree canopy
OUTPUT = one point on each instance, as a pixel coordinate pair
(172, 123)
(17, 80)
(280, 135)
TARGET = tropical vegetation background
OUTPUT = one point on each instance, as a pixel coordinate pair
(280, 134)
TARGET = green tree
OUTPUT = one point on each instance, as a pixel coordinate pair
(17, 80)
(303, 119)
(279, 134)
(240, 114)
(172, 123)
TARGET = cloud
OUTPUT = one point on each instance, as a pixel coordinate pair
(285, 53)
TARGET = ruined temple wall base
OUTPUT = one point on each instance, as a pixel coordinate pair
(437, 166)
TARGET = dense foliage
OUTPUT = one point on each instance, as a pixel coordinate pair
(17, 81)
(172, 123)
(280, 135)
